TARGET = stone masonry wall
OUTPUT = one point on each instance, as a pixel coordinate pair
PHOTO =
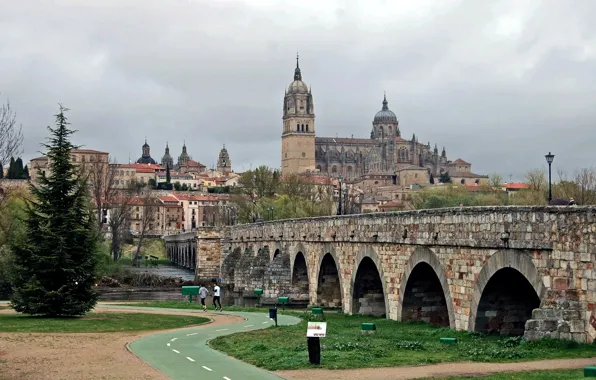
(553, 248)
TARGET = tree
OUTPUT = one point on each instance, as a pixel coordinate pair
(184, 187)
(151, 183)
(11, 134)
(582, 187)
(177, 186)
(19, 169)
(101, 175)
(150, 209)
(54, 266)
(120, 210)
(11, 169)
(445, 177)
(25, 172)
(495, 180)
(2, 171)
(536, 178)
(431, 179)
(168, 175)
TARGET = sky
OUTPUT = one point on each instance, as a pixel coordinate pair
(499, 83)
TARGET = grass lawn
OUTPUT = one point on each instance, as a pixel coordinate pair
(534, 375)
(393, 344)
(96, 323)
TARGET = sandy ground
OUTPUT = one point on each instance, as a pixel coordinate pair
(437, 370)
(101, 356)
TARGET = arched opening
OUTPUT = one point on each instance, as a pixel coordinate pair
(328, 289)
(302, 127)
(276, 253)
(424, 299)
(297, 127)
(300, 287)
(368, 295)
(506, 303)
(334, 169)
(306, 127)
(319, 167)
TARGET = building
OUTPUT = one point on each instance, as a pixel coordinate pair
(79, 157)
(167, 160)
(386, 152)
(298, 136)
(224, 165)
(146, 155)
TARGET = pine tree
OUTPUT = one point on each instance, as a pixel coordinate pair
(11, 169)
(19, 171)
(54, 269)
(25, 172)
(168, 175)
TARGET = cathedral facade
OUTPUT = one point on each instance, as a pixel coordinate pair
(385, 152)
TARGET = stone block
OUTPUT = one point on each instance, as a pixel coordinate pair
(577, 326)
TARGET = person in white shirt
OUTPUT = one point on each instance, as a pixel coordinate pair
(216, 295)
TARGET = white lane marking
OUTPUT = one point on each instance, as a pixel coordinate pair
(168, 345)
(221, 330)
(191, 359)
(173, 339)
(248, 326)
(227, 378)
(176, 351)
(191, 334)
(265, 322)
(207, 368)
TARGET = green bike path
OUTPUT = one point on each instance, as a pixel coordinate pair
(185, 355)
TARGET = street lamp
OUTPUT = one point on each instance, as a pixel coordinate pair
(549, 159)
(340, 179)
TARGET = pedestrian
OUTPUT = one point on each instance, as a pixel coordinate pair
(216, 295)
(572, 202)
(203, 293)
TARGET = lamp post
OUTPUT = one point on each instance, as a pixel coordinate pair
(549, 159)
(340, 179)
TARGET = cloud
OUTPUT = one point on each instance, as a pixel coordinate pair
(497, 83)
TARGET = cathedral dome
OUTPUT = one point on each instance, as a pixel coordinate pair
(385, 115)
(297, 87)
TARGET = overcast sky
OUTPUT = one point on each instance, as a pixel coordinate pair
(498, 83)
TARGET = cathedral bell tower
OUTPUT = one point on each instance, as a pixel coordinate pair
(298, 136)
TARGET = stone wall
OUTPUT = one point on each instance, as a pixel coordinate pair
(551, 248)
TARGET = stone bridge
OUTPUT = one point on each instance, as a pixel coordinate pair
(505, 270)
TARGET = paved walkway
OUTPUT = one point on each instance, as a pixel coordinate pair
(185, 355)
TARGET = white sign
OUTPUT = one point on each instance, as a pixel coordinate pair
(316, 330)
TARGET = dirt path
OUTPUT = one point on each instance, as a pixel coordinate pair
(437, 370)
(97, 356)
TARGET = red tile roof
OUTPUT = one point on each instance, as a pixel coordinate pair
(168, 198)
(516, 186)
(459, 161)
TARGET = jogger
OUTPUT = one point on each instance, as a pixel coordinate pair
(216, 295)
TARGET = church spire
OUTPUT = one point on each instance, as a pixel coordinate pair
(297, 73)
(385, 108)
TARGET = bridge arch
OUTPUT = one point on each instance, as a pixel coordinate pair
(368, 286)
(330, 290)
(425, 269)
(508, 278)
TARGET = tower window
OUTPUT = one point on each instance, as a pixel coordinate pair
(306, 127)
(302, 127)
(297, 127)
(303, 154)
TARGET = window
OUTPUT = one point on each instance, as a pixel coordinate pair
(74, 158)
(302, 127)
(334, 169)
(297, 127)
(306, 127)
(303, 154)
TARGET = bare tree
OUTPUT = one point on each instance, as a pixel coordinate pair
(536, 178)
(495, 180)
(120, 208)
(582, 187)
(102, 176)
(149, 217)
(11, 134)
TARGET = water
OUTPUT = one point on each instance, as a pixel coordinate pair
(167, 271)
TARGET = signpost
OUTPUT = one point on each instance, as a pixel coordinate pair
(314, 331)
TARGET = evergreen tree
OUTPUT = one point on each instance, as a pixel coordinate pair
(168, 175)
(1, 171)
(11, 169)
(445, 177)
(19, 171)
(54, 269)
(25, 172)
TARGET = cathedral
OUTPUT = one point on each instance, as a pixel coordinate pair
(185, 163)
(386, 152)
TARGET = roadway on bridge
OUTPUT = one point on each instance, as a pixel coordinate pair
(184, 354)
